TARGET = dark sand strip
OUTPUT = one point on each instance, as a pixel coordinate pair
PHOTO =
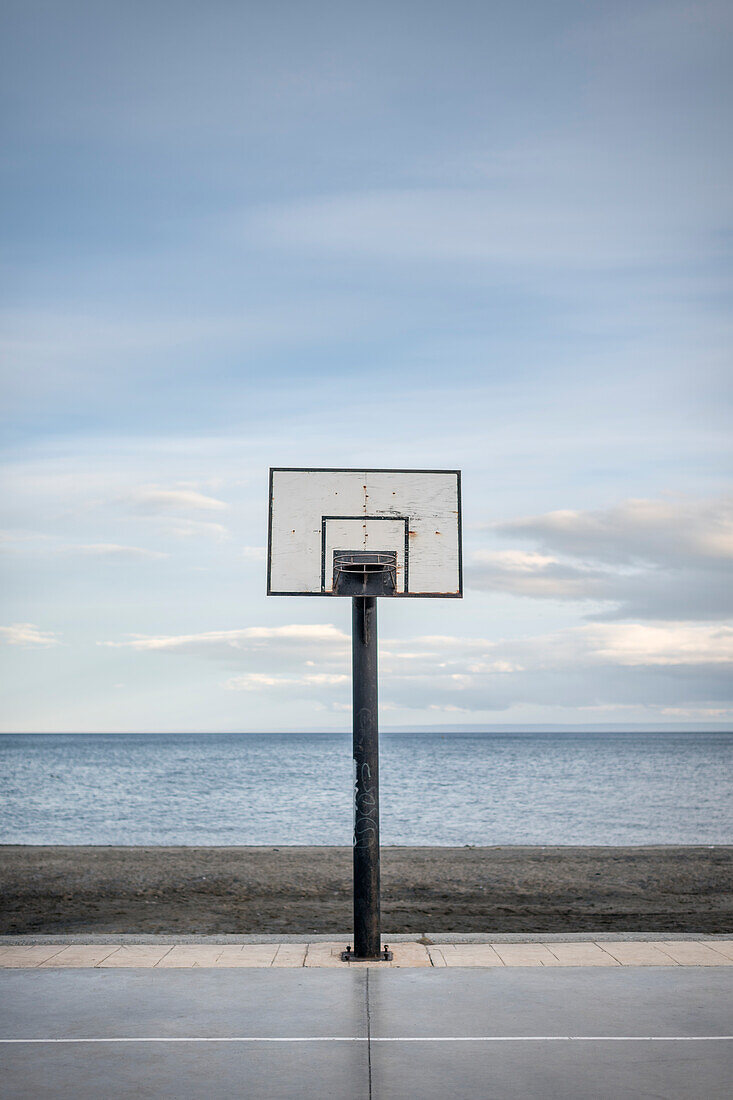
(306, 890)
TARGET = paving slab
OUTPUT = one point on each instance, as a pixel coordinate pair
(30, 955)
(409, 954)
(695, 954)
(179, 1003)
(196, 955)
(216, 1072)
(468, 954)
(639, 954)
(325, 954)
(80, 956)
(725, 947)
(543, 1000)
(580, 954)
(404, 954)
(525, 954)
(248, 955)
(134, 955)
(290, 954)
(525, 1008)
(549, 1071)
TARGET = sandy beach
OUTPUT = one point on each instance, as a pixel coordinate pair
(301, 890)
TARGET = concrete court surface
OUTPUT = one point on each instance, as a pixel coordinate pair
(507, 1033)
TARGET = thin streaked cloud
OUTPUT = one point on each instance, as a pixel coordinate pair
(27, 635)
(157, 499)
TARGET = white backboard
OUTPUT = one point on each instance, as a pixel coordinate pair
(415, 514)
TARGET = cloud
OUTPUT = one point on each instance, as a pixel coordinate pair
(529, 573)
(298, 636)
(253, 681)
(194, 528)
(648, 559)
(12, 542)
(624, 644)
(254, 553)
(112, 550)
(28, 636)
(660, 644)
(168, 507)
(640, 644)
(594, 665)
(45, 544)
(673, 531)
(154, 499)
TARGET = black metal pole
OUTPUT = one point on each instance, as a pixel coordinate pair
(367, 930)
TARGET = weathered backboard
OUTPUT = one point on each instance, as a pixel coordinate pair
(408, 519)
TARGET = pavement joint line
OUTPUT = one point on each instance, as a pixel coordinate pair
(386, 1039)
(369, 1032)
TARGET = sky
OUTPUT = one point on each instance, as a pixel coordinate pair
(492, 237)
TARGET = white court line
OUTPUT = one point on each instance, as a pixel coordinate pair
(395, 1039)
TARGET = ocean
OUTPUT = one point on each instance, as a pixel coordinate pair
(436, 788)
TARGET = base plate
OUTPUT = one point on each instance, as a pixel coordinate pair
(351, 956)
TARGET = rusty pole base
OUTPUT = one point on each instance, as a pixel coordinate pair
(351, 956)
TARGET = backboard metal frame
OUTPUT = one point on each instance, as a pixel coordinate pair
(393, 518)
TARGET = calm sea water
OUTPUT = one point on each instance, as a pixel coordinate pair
(436, 788)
